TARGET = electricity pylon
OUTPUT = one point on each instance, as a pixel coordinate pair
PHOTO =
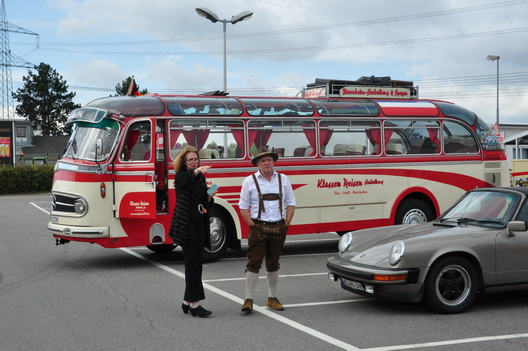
(8, 60)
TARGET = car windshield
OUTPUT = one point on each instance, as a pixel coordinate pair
(85, 138)
(488, 208)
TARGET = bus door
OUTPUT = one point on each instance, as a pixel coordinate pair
(161, 169)
(135, 176)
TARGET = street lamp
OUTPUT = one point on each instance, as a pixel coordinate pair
(496, 58)
(211, 16)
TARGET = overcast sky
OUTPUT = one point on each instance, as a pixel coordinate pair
(440, 45)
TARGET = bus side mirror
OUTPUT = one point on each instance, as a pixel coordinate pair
(516, 226)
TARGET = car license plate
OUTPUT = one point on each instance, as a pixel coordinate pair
(352, 284)
(54, 219)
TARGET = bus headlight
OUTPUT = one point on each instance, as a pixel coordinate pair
(80, 206)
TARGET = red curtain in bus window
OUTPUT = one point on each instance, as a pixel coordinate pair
(310, 135)
(132, 138)
(433, 135)
(373, 136)
(325, 135)
(388, 134)
(259, 137)
(174, 134)
(238, 134)
(324, 138)
(196, 137)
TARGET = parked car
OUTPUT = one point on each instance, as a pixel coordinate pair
(478, 245)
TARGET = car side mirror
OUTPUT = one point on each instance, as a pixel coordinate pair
(516, 226)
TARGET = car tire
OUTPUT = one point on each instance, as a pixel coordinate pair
(451, 285)
(413, 211)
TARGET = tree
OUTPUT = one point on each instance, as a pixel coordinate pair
(122, 88)
(44, 100)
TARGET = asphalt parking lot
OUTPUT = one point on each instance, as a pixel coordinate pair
(84, 297)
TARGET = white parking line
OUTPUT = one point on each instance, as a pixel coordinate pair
(263, 277)
(256, 308)
(40, 208)
(447, 342)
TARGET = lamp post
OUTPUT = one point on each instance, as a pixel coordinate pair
(496, 58)
(211, 16)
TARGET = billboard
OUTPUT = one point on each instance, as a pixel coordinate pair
(6, 143)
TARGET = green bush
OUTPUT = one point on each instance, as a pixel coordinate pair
(25, 179)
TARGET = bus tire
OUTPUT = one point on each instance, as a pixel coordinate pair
(220, 225)
(161, 248)
(413, 211)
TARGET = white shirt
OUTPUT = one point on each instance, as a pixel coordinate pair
(249, 196)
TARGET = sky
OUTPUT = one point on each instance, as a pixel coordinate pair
(441, 46)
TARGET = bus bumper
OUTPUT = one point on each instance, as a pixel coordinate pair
(79, 232)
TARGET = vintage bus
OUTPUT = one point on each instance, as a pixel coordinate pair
(353, 162)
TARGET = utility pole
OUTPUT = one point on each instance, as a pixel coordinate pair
(8, 60)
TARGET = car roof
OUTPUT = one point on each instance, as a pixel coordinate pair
(519, 189)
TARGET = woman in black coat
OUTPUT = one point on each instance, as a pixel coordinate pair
(190, 224)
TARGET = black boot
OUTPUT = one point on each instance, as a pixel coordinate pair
(199, 311)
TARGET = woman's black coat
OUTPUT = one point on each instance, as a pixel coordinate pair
(186, 185)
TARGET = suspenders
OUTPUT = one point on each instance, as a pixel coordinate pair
(268, 197)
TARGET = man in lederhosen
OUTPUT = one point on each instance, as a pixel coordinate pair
(267, 205)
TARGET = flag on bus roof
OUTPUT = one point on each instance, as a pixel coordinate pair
(133, 88)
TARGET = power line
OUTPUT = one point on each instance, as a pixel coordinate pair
(300, 30)
(293, 49)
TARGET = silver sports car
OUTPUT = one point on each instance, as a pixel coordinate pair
(480, 244)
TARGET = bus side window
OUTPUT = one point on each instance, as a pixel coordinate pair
(458, 139)
(137, 143)
(288, 137)
(347, 137)
(214, 138)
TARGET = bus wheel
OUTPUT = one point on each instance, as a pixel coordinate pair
(162, 248)
(413, 211)
(218, 236)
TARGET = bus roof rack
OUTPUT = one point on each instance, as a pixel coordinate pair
(215, 93)
(332, 87)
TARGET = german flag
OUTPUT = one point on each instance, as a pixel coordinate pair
(133, 88)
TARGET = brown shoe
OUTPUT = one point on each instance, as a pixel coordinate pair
(274, 304)
(247, 306)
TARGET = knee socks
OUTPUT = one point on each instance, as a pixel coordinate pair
(251, 282)
(273, 279)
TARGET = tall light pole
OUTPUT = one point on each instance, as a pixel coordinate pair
(496, 58)
(211, 16)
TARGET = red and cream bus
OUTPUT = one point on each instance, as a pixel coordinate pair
(353, 162)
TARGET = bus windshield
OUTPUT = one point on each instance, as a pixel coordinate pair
(85, 138)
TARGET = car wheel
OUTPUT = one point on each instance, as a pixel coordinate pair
(451, 285)
(413, 211)
(218, 235)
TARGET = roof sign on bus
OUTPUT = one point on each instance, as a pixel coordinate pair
(375, 92)
(92, 115)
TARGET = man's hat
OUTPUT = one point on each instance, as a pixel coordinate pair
(263, 151)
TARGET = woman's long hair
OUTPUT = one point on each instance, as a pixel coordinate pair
(179, 161)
